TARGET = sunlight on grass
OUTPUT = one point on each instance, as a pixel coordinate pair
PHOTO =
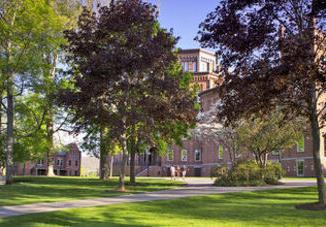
(271, 208)
(51, 189)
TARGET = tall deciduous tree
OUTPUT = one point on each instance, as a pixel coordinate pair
(273, 54)
(24, 38)
(66, 12)
(122, 64)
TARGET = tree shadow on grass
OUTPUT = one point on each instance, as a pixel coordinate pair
(275, 207)
(51, 189)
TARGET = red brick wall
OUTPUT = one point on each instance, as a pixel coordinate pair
(71, 170)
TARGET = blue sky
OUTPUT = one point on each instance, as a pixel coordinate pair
(184, 16)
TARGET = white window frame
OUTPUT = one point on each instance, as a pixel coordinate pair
(186, 156)
(298, 147)
(200, 153)
(219, 151)
(168, 155)
(301, 161)
(185, 66)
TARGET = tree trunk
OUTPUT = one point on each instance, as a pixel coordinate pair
(24, 168)
(315, 133)
(132, 168)
(111, 166)
(123, 164)
(103, 160)
(50, 164)
(103, 156)
(2, 148)
(10, 129)
(313, 110)
(52, 61)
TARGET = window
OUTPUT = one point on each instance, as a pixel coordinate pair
(185, 66)
(69, 162)
(220, 151)
(184, 155)
(170, 155)
(203, 67)
(276, 152)
(197, 155)
(76, 163)
(75, 156)
(40, 162)
(59, 162)
(191, 66)
(300, 145)
(208, 67)
(300, 168)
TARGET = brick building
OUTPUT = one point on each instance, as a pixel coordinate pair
(65, 164)
(199, 155)
(203, 65)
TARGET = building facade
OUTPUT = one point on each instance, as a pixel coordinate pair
(202, 154)
(203, 65)
(65, 164)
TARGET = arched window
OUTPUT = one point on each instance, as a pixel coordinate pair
(170, 155)
(220, 151)
(184, 155)
(197, 155)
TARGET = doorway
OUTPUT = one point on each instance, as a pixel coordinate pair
(197, 171)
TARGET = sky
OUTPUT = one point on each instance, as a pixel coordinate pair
(184, 17)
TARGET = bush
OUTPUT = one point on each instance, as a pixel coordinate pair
(248, 174)
(219, 171)
(273, 173)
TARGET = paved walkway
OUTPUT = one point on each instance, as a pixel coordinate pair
(191, 190)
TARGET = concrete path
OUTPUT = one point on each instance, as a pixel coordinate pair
(195, 181)
(189, 191)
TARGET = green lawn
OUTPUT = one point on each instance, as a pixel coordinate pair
(269, 208)
(300, 178)
(45, 189)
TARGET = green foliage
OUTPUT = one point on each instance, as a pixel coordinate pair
(134, 84)
(30, 130)
(248, 174)
(219, 172)
(262, 134)
(273, 173)
(31, 34)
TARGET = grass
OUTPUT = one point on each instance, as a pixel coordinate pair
(269, 208)
(300, 178)
(51, 189)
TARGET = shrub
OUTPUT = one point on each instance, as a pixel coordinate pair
(219, 171)
(273, 173)
(246, 172)
(249, 174)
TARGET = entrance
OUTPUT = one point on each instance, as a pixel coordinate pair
(197, 172)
